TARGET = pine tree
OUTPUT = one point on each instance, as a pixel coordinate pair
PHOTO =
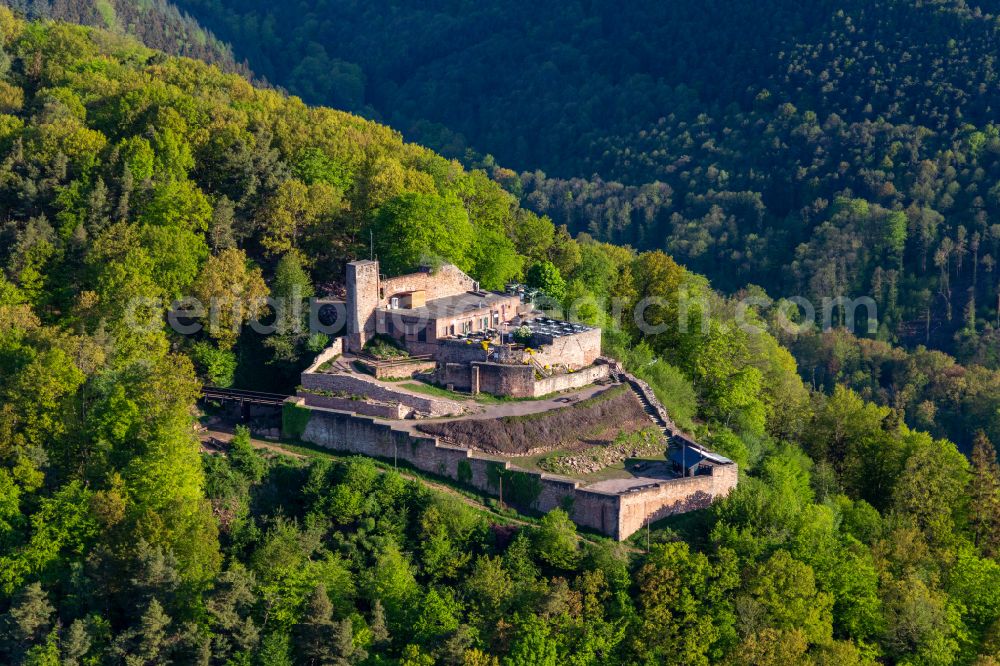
(152, 633)
(290, 288)
(220, 230)
(97, 204)
(344, 652)
(125, 195)
(27, 621)
(155, 576)
(274, 650)
(316, 635)
(985, 495)
(144, 644)
(75, 643)
(379, 629)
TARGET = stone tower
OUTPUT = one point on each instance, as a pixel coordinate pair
(362, 299)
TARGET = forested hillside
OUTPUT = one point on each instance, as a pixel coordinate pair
(815, 149)
(158, 24)
(130, 178)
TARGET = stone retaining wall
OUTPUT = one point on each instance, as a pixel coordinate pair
(675, 496)
(570, 380)
(396, 369)
(333, 350)
(617, 515)
(368, 387)
(517, 381)
(382, 410)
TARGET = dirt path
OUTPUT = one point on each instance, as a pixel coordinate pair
(225, 435)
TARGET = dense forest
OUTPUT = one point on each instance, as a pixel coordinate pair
(131, 177)
(158, 24)
(816, 149)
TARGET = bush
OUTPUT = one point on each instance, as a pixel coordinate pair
(725, 442)
(674, 390)
(384, 347)
(294, 419)
(244, 457)
(216, 365)
(555, 540)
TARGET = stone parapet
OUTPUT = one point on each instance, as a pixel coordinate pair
(382, 410)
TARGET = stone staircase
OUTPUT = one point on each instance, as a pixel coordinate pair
(650, 404)
(658, 414)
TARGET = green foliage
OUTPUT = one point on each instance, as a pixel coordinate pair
(244, 457)
(414, 229)
(851, 537)
(314, 165)
(545, 276)
(385, 347)
(215, 365)
(555, 540)
(519, 488)
(672, 389)
(534, 646)
(464, 471)
(294, 419)
(679, 591)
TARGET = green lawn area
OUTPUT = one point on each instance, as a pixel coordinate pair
(438, 392)
(483, 398)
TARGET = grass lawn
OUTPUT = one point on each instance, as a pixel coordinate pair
(438, 392)
(483, 398)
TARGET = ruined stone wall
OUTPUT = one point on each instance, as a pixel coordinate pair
(517, 381)
(382, 410)
(333, 350)
(571, 380)
(352, 433)
(576, 351)
(448, 280)
(366, 387)
(457, 375)
(675, 496)
(616, 515)
(459, 351)
(396, 369)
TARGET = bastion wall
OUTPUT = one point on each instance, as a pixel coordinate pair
(616, 515)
